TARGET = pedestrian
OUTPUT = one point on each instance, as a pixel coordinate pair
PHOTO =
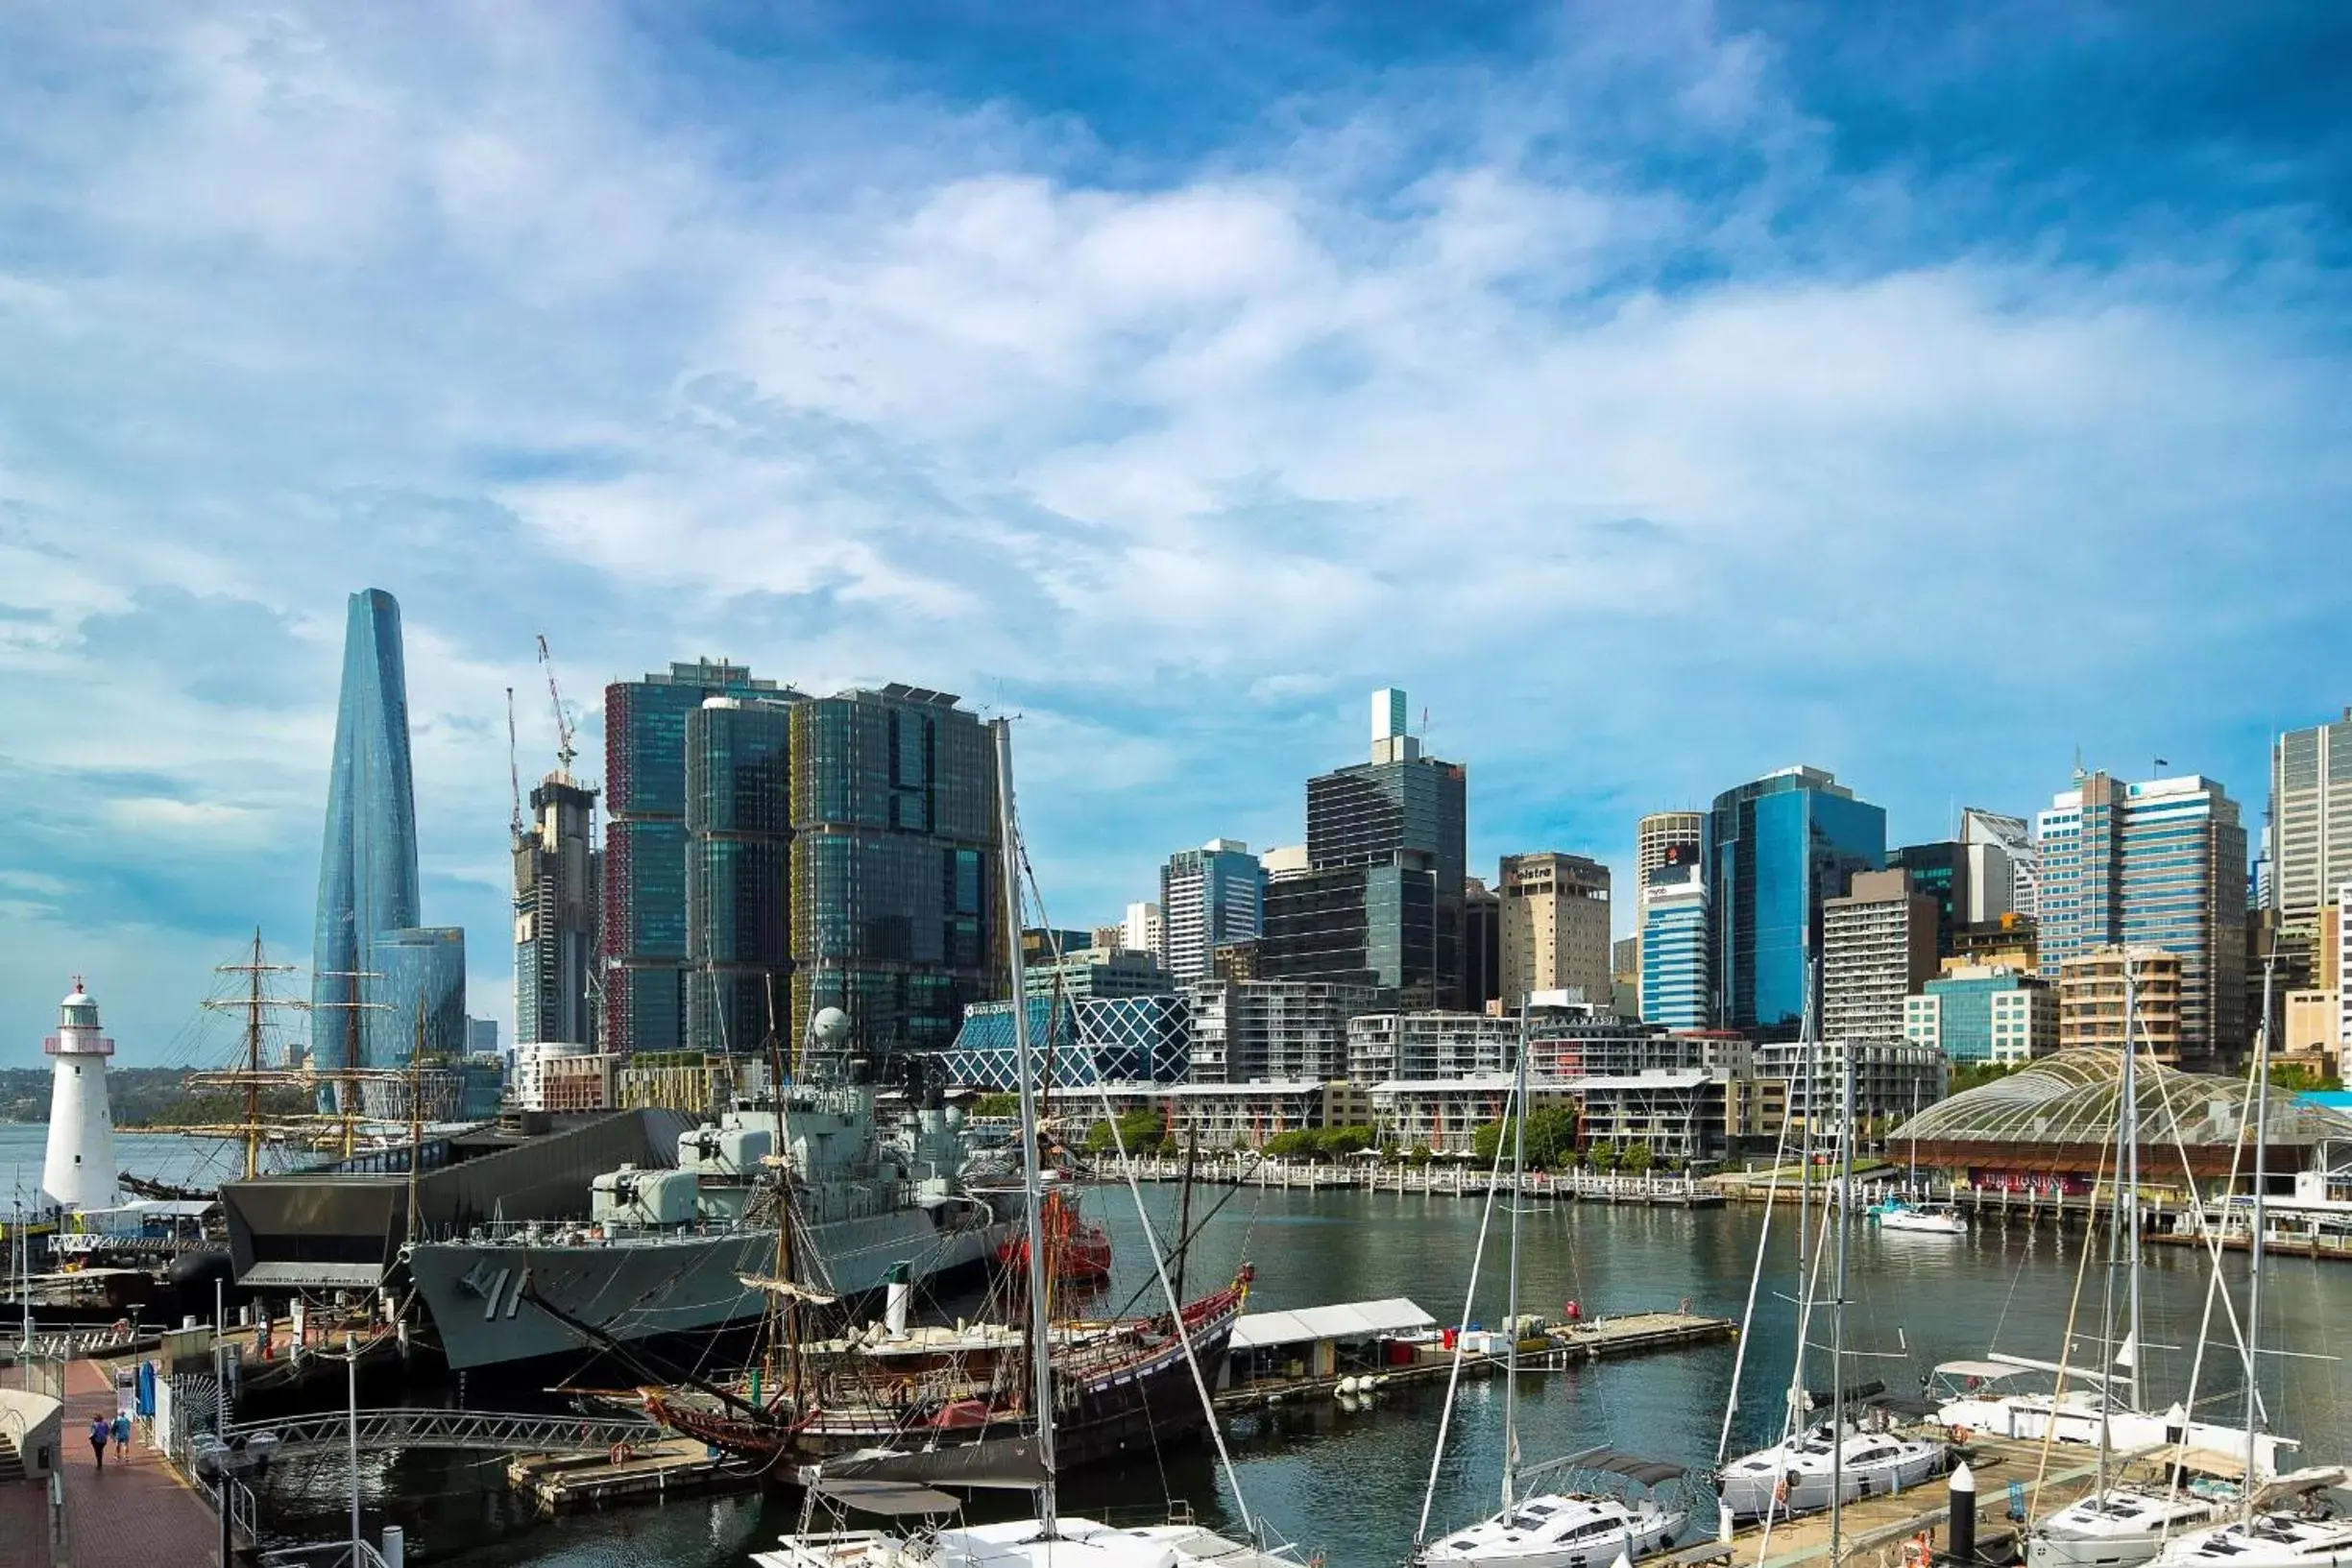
(122, 1434)
(98, 1439)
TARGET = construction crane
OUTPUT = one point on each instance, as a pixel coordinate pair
(514, 768)
(564, 749)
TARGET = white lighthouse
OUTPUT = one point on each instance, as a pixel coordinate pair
(78, 1169)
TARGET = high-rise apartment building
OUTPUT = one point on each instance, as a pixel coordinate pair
(2011, 843)
(1145, 929)
(2311, 817)
(1381, 901)
(557, 874)
(739, 839)
(2093, 1005)
(1877, 946)
(894, 901)
(642, 931)
(1253, 1031)
(1555, 927)
(1209, 897)
(2154, 865)
(1661, 837)
(1779, 849)
(1673, 951)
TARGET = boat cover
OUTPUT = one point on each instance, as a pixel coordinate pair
(1009, 1463)
(885, 1497)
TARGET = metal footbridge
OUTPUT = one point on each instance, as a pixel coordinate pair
(472, 1431)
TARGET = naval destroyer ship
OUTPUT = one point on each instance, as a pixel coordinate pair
(669, 1252)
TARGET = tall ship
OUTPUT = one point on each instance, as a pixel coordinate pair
(681, 1251)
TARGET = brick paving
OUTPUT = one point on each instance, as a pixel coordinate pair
(135, 1514)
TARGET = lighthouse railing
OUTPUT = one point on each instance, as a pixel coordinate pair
(57, 1046)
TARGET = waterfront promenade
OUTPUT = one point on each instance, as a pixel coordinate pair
(134, 1512)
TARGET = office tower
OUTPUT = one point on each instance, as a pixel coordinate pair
(1877, 946)
(739, 839)
(895, 896)
(1625, 975)
(1082, 974)
(1145, 929)
(2092, 1004)
(557, 894)
(1940, 871)
(1661, 836)
(1285, 860)
(1778, 849)
(1112, 938)
(368, 865)
(1208, 897)
(482, 1037)
(1984, 1013)
(1380, 902)
(1482, 945)
(422, 972)
(2311, 816)
(641, 932)
(2161, 865)
(2013, 839)
(1555, 927)
(1674, 952)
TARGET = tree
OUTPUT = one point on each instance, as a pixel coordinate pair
(1551, 1139)
(1602, 1156)
(1298, 1143)
(1099, 1138)
(1007, 1104)
(1967, 1075)
(1338, 1142)
(1420, 1154)
(1638, 1158)
(2298, 1079)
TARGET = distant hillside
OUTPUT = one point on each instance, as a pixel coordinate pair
(138, 1094)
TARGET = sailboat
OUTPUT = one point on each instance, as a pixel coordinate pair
(1899, 1213)
(1833, 1461)
(1554, 1528)
(876, 1484)
(2285, 1523)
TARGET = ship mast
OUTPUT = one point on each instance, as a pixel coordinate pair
(254, 1005)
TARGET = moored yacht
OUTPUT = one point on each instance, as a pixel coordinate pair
(1794, 1477)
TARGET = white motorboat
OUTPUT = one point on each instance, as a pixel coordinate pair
(1793, 1477)
(1922, 1220)
(1571, 1529)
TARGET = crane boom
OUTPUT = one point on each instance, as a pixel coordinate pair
(514, 768)
(564, 749)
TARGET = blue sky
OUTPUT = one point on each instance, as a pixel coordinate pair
(1663, 393)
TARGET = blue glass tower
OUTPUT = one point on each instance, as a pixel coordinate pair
(368, 864)
(1779, 847)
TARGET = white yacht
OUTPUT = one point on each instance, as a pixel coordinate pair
(1020, 1543)
(1559, 1532)
(2119, 1528)
(1794, 1477)
(1921, 1220)
(2289, 1528)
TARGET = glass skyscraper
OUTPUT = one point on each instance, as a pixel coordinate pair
(737, 869)
(1674, 989)
(368, 864)
(894, 900)
(641, 932)
(1779, 848)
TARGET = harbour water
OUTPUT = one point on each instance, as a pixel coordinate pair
(1349, 1484)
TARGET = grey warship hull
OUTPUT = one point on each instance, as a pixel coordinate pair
(637, 1289)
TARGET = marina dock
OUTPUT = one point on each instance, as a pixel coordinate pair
(1435, 1179)
(646, 1472)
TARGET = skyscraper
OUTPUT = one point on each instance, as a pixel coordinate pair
(641, 933)
(1555, 927)
(894, 864)
(1942, 872)
(1779, 848)
(373, 966)
(1381, 902)
(2155, 866)
(1662, 836)
(1482, 945)
(2310, 818)
(556, 896)
(1674, 952)
(1208, 897)
(2012, 841)
(739, 836)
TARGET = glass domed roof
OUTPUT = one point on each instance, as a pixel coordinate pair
(2072, 1097)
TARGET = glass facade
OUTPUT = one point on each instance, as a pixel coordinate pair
(738, 873)
(894, 896)
(1779, 848)
(1209, 898)
(368, 863)
(642, 930)
(1940, 871)
(1674, 989)
(1404, 821)
(1104, 1039)
(556, 894)
(422, 974)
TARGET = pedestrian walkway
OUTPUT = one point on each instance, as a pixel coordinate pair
(134, 1512)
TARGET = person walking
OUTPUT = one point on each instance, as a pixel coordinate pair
(122, 1434)
(98, 1440)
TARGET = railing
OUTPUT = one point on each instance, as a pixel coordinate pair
(508, 1431)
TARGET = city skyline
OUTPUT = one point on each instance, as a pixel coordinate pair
(1174, 423)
